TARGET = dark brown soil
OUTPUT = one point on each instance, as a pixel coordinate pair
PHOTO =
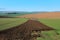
(23, 31)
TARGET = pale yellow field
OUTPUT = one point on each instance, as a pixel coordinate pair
(42, 15)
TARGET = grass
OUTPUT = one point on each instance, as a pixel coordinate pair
(54, 23)
(14, 15)
(6, 23)
(51, 35)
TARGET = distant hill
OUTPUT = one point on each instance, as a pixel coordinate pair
(13, 13)
(16, 13)
(42, 15)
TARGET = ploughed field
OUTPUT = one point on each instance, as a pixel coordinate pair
(42, 15)
(6, 23)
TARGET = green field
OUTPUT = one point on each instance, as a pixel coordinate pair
(6, 23)
(12, 15)
(51, 35)
(17, 14)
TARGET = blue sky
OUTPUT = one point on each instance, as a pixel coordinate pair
(29, 5)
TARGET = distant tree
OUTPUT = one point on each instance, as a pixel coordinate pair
(12, 13)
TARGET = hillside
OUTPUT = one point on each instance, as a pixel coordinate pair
(42, 15)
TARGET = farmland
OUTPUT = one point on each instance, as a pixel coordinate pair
(51, 35)
(14, 14)
(43, 15)
(54, 22)
(6, 23)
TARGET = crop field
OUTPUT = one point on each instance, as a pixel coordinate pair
(6, 23)
(13, 15)
(51, 35)
(48, 15)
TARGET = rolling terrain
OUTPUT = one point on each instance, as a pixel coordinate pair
(6, 23)
(51, 19)
(42, 15)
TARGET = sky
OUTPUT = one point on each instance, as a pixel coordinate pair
(29, 5)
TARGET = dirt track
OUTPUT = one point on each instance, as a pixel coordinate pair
(43, 15)
(23, 31)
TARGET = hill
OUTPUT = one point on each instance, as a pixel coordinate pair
(42, 15)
